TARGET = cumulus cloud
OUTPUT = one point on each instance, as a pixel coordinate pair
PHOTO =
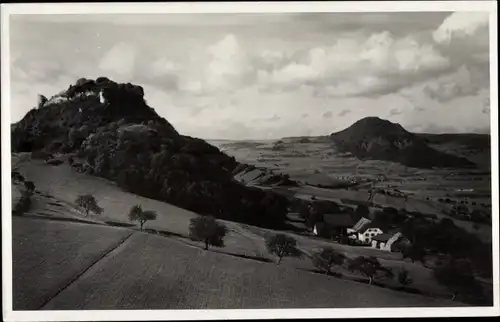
(344, 112)
(163, 66)
(228, 64)
(327, 115)
(395, 111)
(272, 80)
(119, 60)
(486, 106)
(461, 25)
(450, 86)
(357, 66)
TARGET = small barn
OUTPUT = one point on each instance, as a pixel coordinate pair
(388, 241)
(333, 225)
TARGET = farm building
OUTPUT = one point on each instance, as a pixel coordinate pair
(388, 241)
(333, 225)
(369, 234)
(359, 226)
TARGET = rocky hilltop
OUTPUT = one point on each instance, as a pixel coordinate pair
(378, 139)
(109, 127)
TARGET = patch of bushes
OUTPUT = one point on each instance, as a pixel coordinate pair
(458, 276)
(23, 205)
(444, 237)
(16, 176)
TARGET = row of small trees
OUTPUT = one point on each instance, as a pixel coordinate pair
(326, 259)
(212, 232)
(89, 204)
(457, 275)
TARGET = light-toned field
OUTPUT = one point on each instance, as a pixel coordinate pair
(153, 272)
(48, 255)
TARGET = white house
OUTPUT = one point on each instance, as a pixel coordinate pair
(369, 234)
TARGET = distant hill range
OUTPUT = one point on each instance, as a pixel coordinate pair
(377, 139)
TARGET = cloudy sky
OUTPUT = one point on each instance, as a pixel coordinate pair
(259, 76)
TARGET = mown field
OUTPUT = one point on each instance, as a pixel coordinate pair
(153, 272)
(48, 255)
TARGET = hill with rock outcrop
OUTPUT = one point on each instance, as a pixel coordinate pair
(378, 139)
(109, 127)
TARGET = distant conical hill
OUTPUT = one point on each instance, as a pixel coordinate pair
(377, 139)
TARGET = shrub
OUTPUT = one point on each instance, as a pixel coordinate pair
(368, 266)
(404, 277)
(23, 204)
(458, 276)
(282, 245)
(30, 186)
(137, 214)
(88, 203)
(328, 258)
(415, 253)
(208, 230)
(16, 176)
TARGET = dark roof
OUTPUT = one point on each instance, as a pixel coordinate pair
(338, 220)
(382, 237)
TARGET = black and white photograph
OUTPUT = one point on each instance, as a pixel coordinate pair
(191, 157)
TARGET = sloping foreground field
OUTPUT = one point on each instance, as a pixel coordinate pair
(60, 185)
(154, 272)
(64, 184)
(48, 255)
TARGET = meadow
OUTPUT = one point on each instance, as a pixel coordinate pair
(153, 272)
(48, 255)
(58, 186)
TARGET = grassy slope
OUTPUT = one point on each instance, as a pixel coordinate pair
(153, 272)
(44, 261)
(60, 181)
(65, 184)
